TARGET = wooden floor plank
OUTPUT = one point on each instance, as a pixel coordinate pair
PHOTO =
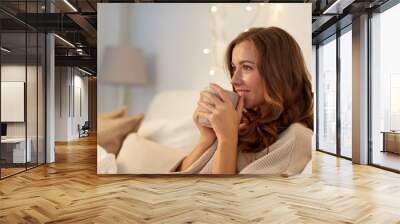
(70, 191)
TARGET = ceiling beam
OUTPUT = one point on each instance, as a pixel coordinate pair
(83, 61)
(84, 24)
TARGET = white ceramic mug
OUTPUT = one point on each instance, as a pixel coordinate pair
(232, 95)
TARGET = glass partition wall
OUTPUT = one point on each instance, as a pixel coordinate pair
(334, 90)
(345, 92)
(385, 90)
(327, 96)
(334, 94)
(22, 99)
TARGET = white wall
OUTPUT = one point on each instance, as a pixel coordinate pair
(66, 101)
(17, 73)
(80, 83)
(61, 103)
(33, 127)
(173, 37)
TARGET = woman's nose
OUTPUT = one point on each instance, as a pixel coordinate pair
(236, 79)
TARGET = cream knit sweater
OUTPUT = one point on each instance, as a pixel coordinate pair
(288, 156)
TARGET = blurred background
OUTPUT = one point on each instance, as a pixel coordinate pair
(178, 46)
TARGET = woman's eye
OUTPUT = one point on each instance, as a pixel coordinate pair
(233, 68)
(247, 68)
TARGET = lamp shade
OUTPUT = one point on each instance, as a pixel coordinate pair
(123, 65)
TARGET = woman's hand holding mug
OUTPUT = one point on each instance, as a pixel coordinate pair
(216, 106)
(207, 134)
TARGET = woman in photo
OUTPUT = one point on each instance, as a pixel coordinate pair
(270, 129)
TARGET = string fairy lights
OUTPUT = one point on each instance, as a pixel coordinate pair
(219, 38)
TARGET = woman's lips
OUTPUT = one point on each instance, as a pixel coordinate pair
(242, 92)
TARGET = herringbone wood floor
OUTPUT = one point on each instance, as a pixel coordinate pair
(69, 191)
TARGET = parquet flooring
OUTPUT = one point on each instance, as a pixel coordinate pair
(387, 159)
(70, 191)
(9, 171)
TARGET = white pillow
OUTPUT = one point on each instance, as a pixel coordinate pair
(181, 133)
(168, 120)
(106, 163)
(138, 155)
(172, 105)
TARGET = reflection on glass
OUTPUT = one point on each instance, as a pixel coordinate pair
(345, 94)
(385, 114)
(22, 91)
(14, 151)
(327, 97)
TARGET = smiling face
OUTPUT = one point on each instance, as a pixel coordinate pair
(246, 79)
(267, 68)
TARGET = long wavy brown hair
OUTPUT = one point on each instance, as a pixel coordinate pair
(287, 88)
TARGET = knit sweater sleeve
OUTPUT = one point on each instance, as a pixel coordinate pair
(199, 164)
(290, 158)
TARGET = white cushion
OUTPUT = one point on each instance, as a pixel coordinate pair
(138, 155)
(106, 163)
(172, 105)
(168, 121)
